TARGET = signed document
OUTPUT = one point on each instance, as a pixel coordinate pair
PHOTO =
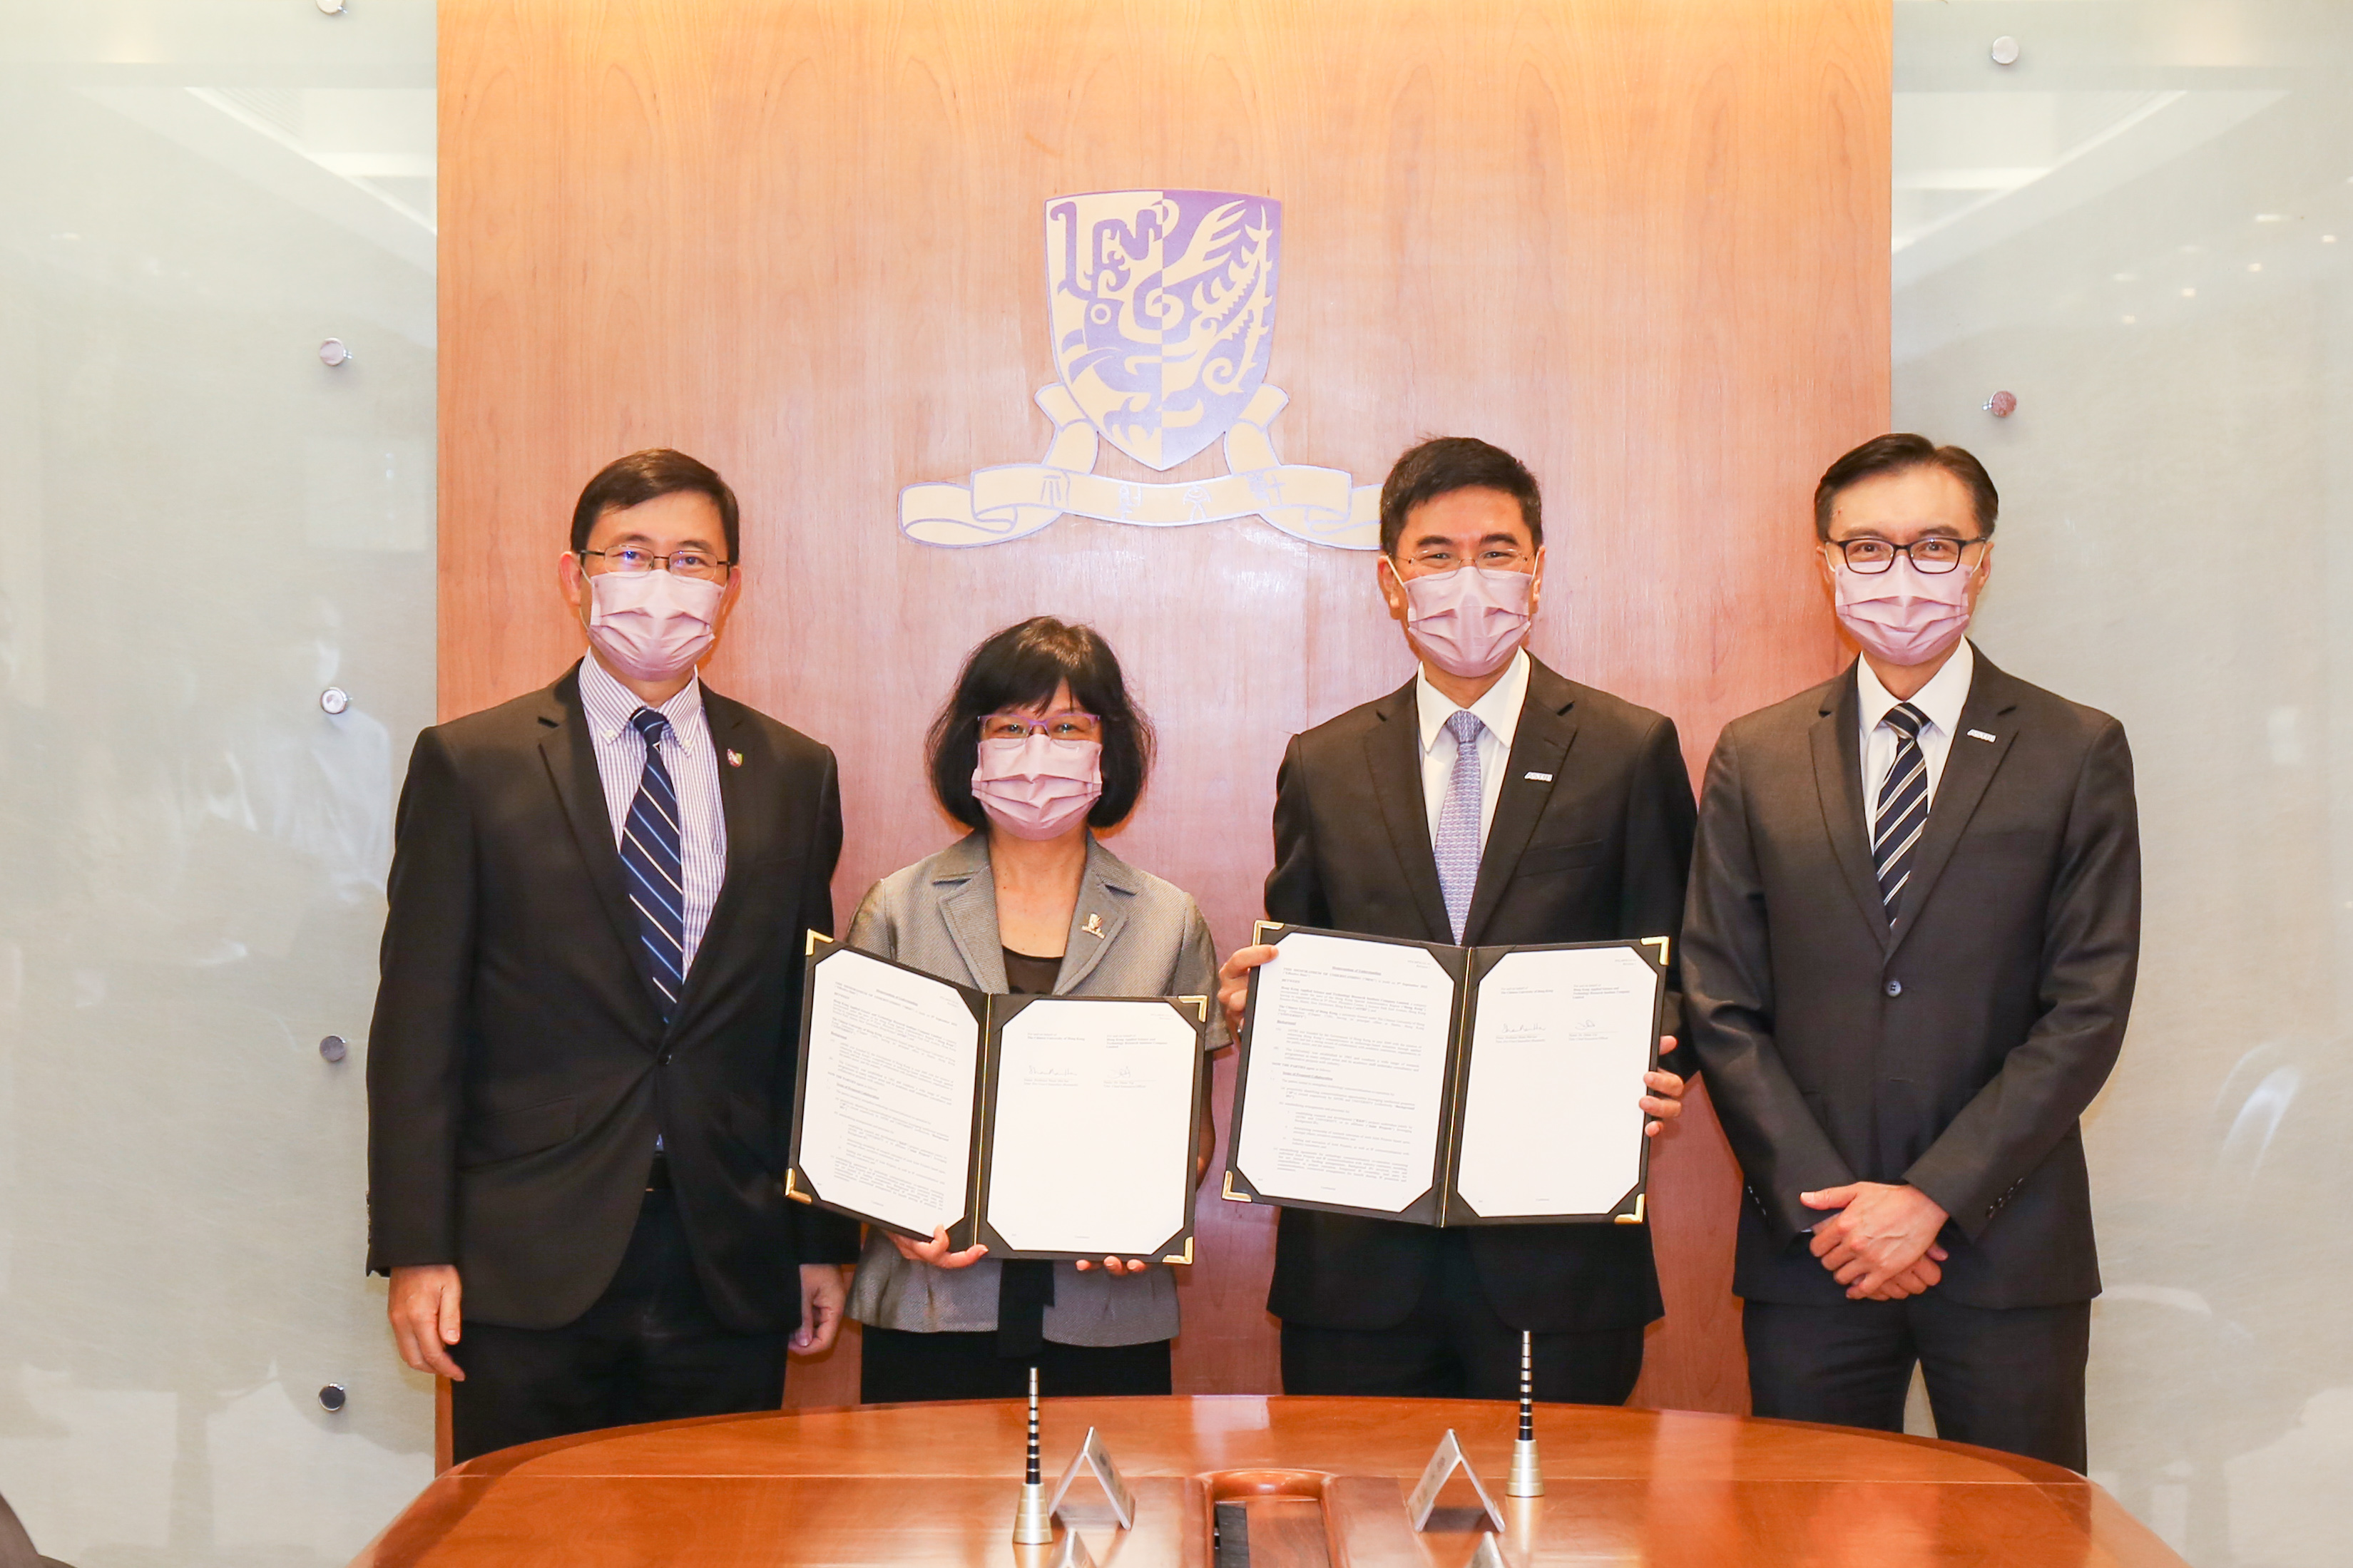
(1349, 1047)
(891, 1063)
(1094, 1130)
(1038, 1126)
(1446, 1085)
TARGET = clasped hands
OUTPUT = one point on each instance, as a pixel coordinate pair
(1881, 1243)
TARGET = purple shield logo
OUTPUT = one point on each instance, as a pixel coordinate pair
(1162, 307)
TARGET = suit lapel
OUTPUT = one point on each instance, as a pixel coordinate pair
(1539, 745)
(1393, 756)
(968, 907)
(1838, 782)
(1969, 766)
(742, 791)
(569, 752)
(1096, 922)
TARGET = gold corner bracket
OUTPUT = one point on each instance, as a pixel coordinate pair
(1641, 1205)
(1199, 1004)
(1662, 943)
(1233, 1196)
(1259, 928)
(793, 1186)
(809, 944)
(1184, 1257)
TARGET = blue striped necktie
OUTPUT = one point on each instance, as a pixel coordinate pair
(1902, 812)
(651, 853)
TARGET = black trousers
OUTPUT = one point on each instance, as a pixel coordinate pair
(648, 1350)
(894, 1365)
(899, 1367)
(2009, 1379)
(1454, 1346)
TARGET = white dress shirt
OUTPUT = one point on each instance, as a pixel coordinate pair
(1941, 699)
(1499, 711)
(693, 772)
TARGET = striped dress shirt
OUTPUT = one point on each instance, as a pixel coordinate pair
(693, 770)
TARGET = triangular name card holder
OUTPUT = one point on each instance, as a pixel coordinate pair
(1071, 1551)
(1443, 1464)
(1093, 1456)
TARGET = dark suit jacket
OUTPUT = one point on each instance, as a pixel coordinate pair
(1599, 853)
(518, 1068)
(1954, 1052)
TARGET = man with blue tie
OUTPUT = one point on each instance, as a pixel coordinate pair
(1486, 801)
(581, 1070)
(1908, 958)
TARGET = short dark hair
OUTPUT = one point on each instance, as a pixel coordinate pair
(641, 476)
(1021, 666)
(1445, 464)
(1894, 454)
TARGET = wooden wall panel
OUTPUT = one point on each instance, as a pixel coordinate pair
(1643, 243)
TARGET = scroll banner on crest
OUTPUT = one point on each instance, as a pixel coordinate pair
(1321, 505)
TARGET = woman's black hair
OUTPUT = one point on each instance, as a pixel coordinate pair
(1022, 667)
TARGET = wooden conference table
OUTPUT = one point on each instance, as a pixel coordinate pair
(937, 1484)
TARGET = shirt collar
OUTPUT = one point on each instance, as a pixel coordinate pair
(1941, 699)
(1499, 710)
(609, 704)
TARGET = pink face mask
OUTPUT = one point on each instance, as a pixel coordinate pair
(652, 625)
(1470, 620)
(1038, 787)
(1904, 615)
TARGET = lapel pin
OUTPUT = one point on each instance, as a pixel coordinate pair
(1094, 925)
(734, 758)
(1980, 735)
(1540, 778)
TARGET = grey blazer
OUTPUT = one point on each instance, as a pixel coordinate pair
(1131, 934)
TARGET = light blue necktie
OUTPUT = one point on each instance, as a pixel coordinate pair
(1457, 845)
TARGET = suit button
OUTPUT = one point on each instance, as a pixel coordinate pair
(1895, 988)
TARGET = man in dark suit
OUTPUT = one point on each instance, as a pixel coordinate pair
(581, 1070)
(1486, 801)
(1914, 921)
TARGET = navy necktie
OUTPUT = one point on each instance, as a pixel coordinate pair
(652, 855)
(1902, 808)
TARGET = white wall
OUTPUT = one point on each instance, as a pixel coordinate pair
(2128, 229)
(201, 527)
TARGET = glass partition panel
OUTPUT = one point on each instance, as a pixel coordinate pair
(2142, 229)
(204, 527)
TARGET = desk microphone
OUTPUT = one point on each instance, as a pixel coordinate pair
(1527, 1476)
(1032, 1525)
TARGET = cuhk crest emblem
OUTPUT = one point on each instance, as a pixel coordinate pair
(1161, 304)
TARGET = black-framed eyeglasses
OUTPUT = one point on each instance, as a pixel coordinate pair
(629, 561)
(1935, 555)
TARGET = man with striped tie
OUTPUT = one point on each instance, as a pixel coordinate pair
(581, 1068)
(1908, 955)
(1488, 800)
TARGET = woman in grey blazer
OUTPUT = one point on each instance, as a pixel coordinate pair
(1038, 746)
